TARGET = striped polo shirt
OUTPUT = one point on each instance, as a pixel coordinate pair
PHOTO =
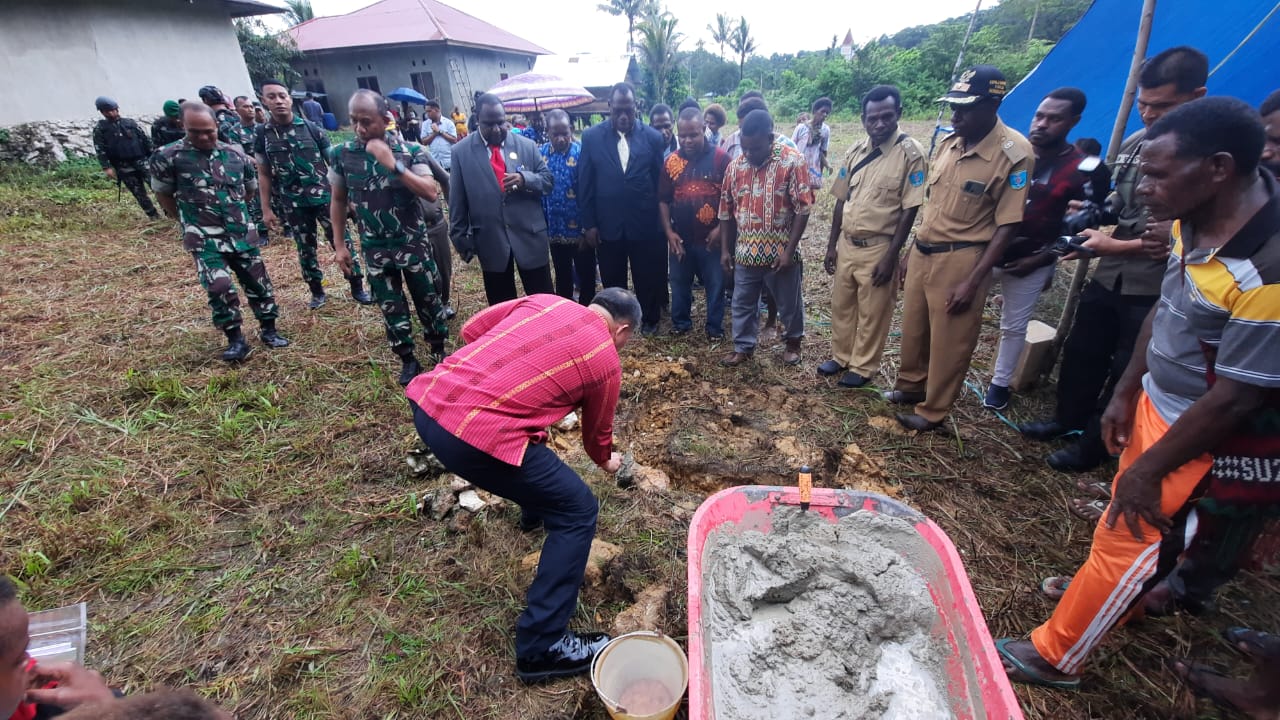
(1221, 306)
(526, 364)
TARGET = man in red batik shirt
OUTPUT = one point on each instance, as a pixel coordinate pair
(484, 412)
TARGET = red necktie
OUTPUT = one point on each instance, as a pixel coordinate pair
(499, 165)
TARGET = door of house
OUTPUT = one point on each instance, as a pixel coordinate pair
(424, 83)
(316, 87)
(369, 82)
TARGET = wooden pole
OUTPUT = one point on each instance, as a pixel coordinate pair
(955, 73)
(1113, 150)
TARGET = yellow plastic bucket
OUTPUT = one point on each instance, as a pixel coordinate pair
(641, 676)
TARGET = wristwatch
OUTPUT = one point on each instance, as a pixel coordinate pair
(400, 168)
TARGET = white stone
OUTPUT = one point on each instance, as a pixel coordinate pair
(470, 501)
(568, 422)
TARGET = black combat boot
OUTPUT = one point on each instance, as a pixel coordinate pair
(358, 293)
(409, 368)
(270, 337)
(237, 349)
(318, 298)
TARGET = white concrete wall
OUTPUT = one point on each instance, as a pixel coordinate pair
(56, 57)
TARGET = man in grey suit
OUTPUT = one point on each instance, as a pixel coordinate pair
(497, 180)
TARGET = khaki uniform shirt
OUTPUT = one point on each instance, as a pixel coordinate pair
(1132, 274)
(875, 196)
(974, 191)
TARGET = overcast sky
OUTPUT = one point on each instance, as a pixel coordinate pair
(575, 26)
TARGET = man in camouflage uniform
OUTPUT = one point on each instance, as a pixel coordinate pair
(383, 178)
(168, 127)
(243, 132)
(122, 149)
(204, 183)
(291, 156)
(210, 95)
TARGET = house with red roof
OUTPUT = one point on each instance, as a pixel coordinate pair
(434, 48)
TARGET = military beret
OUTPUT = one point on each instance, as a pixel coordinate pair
(172, 109)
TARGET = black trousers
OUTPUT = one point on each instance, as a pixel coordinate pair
(501, 286)
(1094, 357)
(648, 260)
(547, 489)
(569, 260)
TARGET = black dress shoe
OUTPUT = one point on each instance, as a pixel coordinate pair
(903, 397)
(852, 379)
(1044, 430)
(917, 423)
(829, 368)
(570, 655)
(1074, 458)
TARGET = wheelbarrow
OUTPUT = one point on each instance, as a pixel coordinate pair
(977, 686)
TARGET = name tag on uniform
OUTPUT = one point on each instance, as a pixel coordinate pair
(974, 187)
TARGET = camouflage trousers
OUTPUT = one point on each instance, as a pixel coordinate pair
(398, 266)
(135, 177)
(215, 269)
(255, 214)
(302, 221)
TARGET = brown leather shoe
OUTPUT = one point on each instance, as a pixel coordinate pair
(917, 423)
(734, 359)
(791, 356)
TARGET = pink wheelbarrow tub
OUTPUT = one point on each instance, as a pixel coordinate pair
(977, 687)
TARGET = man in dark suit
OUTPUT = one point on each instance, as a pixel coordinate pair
(497, 180)
(618, 173)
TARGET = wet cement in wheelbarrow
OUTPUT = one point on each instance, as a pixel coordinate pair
(823, 620)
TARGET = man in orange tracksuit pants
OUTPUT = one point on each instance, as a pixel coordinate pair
(1205, 371)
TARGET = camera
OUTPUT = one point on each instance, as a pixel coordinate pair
(1068, 244)
(1089, 215)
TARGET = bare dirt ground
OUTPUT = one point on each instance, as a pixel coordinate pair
(255, 532)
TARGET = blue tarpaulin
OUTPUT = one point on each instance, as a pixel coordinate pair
(1095, 55)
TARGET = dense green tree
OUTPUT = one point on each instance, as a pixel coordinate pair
(659, 43)
(266, 54)
(298, 11)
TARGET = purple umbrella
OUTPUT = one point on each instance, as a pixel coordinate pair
(534, 92)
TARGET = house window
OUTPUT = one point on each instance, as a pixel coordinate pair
(368, 82)
(502, 76)
(424, 83)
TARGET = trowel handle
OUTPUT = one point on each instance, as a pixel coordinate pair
(806, 486)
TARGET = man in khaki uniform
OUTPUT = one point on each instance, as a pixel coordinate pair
(878, 191)
(977, 188)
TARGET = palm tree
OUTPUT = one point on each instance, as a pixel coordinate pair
(721, 31)
(631, 9)
(741, 42)
(298, 11)
(659, 43)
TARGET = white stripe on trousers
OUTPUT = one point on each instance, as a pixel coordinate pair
(1118, 602)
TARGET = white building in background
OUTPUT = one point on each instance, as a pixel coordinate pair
(56, 56)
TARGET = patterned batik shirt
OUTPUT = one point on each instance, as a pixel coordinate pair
(691, 187)
(386, 211)
(295, 158)
(764, 201)
(210, 188)
(560, 206)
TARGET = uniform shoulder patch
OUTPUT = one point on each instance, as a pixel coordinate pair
(916, 178)
(1016, 152)
(1018, 180)
(911, 148)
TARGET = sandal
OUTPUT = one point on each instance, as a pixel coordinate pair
(1198, 678)
(1021, 672)
(1099, 489)
(1055, 587)
(1091, 510)
(1256, 644)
